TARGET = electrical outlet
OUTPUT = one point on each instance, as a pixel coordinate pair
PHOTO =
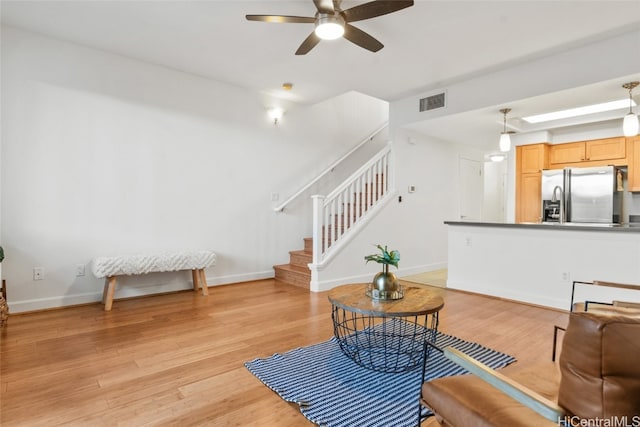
(38, 273)
(467, 241)
(566, 277)
(80, 270)
(275, 197)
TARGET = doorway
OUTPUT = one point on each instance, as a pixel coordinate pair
(471, 190)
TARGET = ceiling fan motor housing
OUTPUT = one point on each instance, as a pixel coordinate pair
(329, 26)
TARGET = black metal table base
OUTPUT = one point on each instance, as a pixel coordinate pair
(386, 344)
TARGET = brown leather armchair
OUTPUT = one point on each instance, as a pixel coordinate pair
(599, 379)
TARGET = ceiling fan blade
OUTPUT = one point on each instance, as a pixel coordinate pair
(362, 39)
(281, 19)
(375, 8)
(308, 44)
(324, 6)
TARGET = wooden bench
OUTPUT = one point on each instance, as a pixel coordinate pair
(127, 265)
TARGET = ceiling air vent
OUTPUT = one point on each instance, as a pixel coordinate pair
(432, 102)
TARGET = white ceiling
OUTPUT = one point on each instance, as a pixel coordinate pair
(428, 45)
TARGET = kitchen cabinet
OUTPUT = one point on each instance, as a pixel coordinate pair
(530, 160)
(633, 144)
(533, 158)
(531, 195)
(606, 149)
(567, 153)
(588, 151)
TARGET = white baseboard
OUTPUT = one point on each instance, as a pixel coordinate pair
(53, 302)
(326, 285)
(237, 278)
(425, 268)
(513, 295)
(128, 292)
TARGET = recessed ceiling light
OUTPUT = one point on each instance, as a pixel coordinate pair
(580, 111)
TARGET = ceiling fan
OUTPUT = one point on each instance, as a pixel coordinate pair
(332, 22)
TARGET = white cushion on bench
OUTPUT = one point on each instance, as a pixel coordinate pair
(143, 264)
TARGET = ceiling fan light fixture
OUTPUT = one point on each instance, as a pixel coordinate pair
(332, 22)
(630, 125)
(329, 27)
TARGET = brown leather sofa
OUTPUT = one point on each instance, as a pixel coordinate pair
(599, 380)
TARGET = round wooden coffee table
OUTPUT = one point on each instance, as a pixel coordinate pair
(385, 335)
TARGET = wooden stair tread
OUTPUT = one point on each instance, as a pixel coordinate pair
(300, 258)
(293, 274)
(293, 268)
(302, 252)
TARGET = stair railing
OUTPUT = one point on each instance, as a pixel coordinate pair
(295, 195)
(345, 207)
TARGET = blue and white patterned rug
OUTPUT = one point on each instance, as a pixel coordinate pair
(333, 391)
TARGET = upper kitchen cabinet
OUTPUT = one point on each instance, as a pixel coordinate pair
(567, 153)
(634, 163)
(597, 151)
(530, 160)
(606, 149)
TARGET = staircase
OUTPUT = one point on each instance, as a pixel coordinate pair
(297, 271)
(343, 216)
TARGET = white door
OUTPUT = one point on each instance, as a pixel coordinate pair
(493, 191)
(470, 190)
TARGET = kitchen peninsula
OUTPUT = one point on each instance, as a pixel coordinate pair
(536, 263)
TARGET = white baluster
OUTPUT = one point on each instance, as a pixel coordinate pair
(318, 207)
(337, 213)
(343, 217)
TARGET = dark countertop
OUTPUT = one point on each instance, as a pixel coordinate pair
(626, 228)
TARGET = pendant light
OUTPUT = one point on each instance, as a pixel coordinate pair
(505, 136)
(630, 124)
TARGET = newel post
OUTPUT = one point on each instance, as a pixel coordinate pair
(318, 206)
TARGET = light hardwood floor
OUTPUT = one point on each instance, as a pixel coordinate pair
(434, 278)
(177, 359)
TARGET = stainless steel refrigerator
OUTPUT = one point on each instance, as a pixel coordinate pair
(581, 195)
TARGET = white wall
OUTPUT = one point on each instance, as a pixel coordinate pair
(104, 155)
(537, 265)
